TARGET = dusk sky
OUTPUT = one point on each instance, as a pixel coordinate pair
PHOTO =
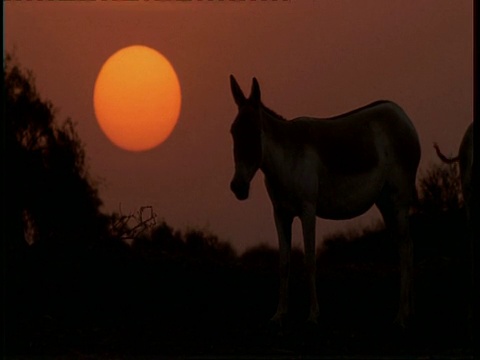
(317, 58)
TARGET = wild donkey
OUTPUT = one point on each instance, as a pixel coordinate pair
(334, 168)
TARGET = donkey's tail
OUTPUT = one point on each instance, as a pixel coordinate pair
(443, 157)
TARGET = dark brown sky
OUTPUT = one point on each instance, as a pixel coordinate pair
(312, 57)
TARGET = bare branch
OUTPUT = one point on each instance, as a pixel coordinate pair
(129, 227)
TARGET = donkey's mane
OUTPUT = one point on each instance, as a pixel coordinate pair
(354, 111)
(273, 113)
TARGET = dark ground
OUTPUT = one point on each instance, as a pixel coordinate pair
(117, 302)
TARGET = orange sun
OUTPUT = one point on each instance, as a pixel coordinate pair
(137, 98)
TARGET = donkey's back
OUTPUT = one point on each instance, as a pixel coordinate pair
(379, 134)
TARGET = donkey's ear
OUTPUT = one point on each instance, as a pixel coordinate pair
(255, 92)
(238, 95)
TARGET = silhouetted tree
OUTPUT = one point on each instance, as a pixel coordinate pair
(52, 218)
(51, 196)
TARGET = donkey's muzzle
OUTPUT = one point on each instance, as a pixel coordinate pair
(240, 189)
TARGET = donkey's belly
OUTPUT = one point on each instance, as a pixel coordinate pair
(345, 197)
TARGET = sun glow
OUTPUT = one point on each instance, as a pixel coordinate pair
(137, 98)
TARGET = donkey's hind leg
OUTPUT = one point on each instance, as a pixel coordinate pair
(308, 226)
(396, 220)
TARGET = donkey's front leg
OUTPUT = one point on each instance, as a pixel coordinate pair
(283, 223)
(308, 225)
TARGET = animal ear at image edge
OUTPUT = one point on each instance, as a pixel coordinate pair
(237, 92)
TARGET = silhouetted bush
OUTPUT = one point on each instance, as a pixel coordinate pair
(439, 225)
(440, 189)
(368, 245)
(205, 246)
(166, 239)
(261, 258)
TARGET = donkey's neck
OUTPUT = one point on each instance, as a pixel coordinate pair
(277, 145)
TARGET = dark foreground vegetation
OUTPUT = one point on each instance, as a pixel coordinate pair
(82, 284)
(193, 297)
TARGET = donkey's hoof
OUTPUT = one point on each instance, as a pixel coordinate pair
(312, 319)
(278, 320)
(402, 322)
(279, 324)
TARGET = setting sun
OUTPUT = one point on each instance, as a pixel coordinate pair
(137, 98)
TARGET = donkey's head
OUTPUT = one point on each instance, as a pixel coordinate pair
(246, 131)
